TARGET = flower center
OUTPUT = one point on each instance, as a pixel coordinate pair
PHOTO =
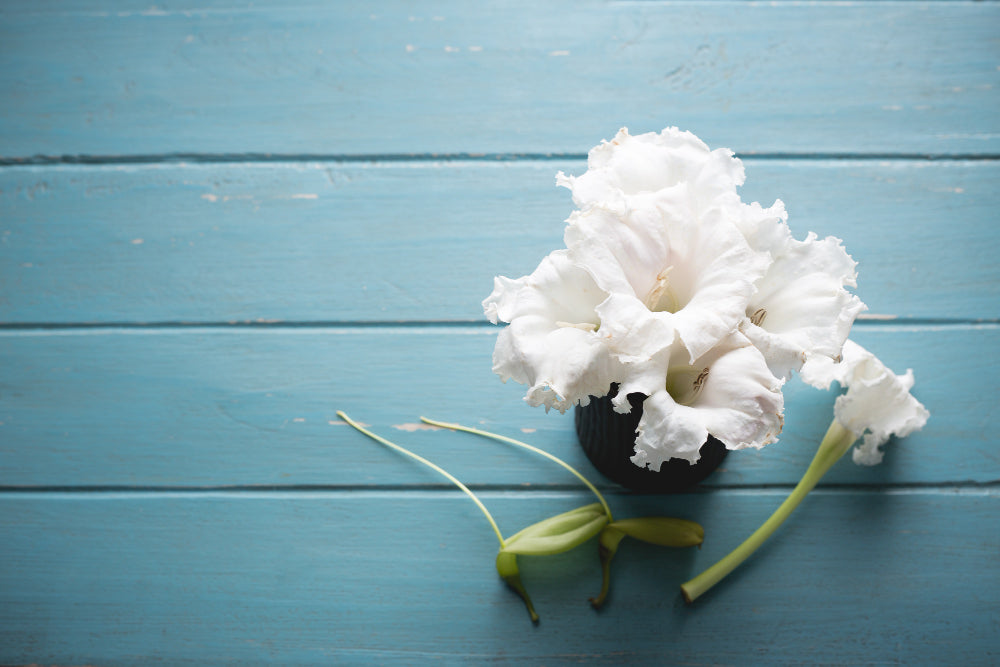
(582, 326)
(661, 297)
(758, 316)
(685, 383)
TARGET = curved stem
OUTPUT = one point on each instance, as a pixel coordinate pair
(835, 443)
(432, 466)
(502, 438)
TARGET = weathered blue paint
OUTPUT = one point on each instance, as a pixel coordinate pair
(318, 242)
(408, 577)
(193, 408)
(456, 77)
(220, 222)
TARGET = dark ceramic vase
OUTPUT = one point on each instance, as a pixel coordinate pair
(608, 439)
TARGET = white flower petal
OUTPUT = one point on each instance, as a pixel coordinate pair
(668, 430)
(728, 393)
(820, 371)
(700, 271)
(641, 342)
(877, 404)
(626, 166)
(499, 305)
(765, 229)
(801, 307)
(551, 344)
(562, 366)
(782, 355)
(623, 254)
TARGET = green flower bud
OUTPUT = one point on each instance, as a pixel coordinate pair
(661, 530)
(507, 568)
(558, 533)
(552, 536)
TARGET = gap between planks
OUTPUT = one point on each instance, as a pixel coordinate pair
(561, 491)
(272, 158)
(475, 327)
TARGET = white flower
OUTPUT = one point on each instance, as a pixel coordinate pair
(728, 393)
(551, 344)
(626, 167)
(695, 274)
(877, 404)
(801, 306)
(672, 287)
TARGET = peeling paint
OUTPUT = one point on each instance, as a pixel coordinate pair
(340, 422)
(214, 198)
(419, 426)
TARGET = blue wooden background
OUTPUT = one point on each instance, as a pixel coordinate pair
(222, 221)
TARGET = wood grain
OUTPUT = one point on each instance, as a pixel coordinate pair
(217, 407)
(222, 221)
(319, 242)
(854, 577)
(307, 77)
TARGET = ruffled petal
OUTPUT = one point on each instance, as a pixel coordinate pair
(622, 253)
(561, 365)
(728, 393)
(700, 272)
(641, 343)
(668, 430)
(627, 166)
(551, 344)
(499, 306)
(878, 403)
(741, 397)
(801, 307)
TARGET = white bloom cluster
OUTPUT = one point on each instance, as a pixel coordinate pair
(673, 287)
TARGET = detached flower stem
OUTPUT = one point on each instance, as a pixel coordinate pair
(542, 452)
(835, 444)
(451, 478)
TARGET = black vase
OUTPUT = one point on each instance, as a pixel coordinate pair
(608, 439)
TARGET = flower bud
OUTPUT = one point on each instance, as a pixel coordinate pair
(552, 536)
(661, 530)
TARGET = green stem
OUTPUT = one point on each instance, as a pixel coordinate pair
(502, 438)
(432, 466)
(836, 442)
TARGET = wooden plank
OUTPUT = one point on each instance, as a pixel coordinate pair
(215, 407)
(306, 77)
(389, 241)
(854, 577)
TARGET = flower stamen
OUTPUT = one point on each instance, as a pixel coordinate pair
(699, 381)
(758, 316)
(661, 298)
(685, 383)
